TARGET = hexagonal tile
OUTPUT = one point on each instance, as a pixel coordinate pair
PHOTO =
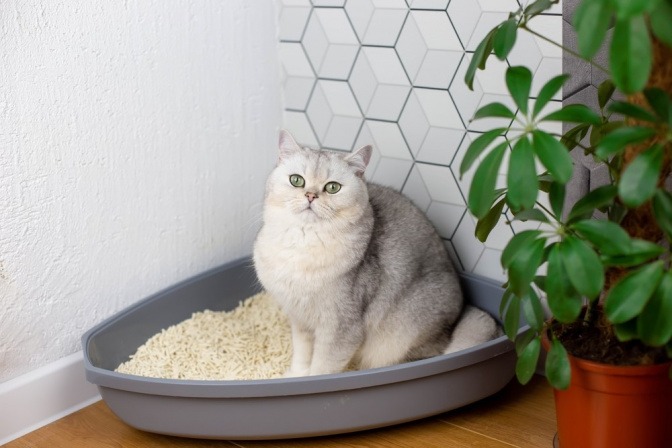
(416, 190)
(297, 74)
(470, 249)
(334, 114)
(548, 68)
(391, 160)
(331, 3)
(445, 217)
(377, 22)
(428, 4)
(525, 52)
(453, 255)
(428, 119)
(293, 17)
(379, 83)
(297, 123)
(433, 189)
(330, 43)
(489, 265)
(474, 19)
(466, 100)
(371, 58)
(429, 49)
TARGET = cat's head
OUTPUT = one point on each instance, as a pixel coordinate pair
(318, 185)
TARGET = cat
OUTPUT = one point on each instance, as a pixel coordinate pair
(362, 275)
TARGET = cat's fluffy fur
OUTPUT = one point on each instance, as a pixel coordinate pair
(361, 273)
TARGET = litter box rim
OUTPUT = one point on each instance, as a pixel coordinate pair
(277, 387)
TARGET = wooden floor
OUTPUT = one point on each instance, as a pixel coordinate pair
(518, 416)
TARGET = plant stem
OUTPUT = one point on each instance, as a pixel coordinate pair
(572, 52)
(591, 313)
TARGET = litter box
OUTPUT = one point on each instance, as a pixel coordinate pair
(288, 407)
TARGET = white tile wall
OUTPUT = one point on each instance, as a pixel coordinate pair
(390, 73)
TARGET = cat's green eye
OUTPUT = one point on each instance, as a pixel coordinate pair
(332, 187)
(297, 180)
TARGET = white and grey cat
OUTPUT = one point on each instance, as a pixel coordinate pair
(361, 273)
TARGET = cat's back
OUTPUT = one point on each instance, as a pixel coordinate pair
(402, 231)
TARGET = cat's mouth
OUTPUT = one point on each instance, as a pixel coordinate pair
(308, 211)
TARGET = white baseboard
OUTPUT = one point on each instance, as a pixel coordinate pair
(43, 396)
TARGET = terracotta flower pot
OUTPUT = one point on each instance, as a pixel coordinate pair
(615, 406)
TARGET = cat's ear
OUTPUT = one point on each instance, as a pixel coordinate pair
(360, 159)
(287, 145)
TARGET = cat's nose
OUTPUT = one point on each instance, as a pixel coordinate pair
(311, 196)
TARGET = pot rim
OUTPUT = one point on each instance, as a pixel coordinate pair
(611, 369)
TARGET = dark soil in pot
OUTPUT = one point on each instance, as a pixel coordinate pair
(597, 342)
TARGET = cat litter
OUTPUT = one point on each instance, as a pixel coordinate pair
(250, 342)
(278, 407)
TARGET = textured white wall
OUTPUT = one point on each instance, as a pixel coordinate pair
(134, 142)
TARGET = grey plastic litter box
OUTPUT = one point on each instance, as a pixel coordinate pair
(281, 408)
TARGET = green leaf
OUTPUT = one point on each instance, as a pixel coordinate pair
(540, 280)
(574, 113)
(556, 197)
(591, 21)
(660, 18)
(630, 8)
(526, 364)
(604, 92)
(512, 318)
(524, 266)
(658, 100)
(505, 38)
(558, 370)
(654, 324)
(538, 7)
(607, 236)
(598, 132)
(573, 137)
(497, 110)
(627, 331)
(519, 81)
(630, 55)
(563, 300)
(515, 244)
(619, 138)
(587, 275)
(630, 110)
(598, 198)
(524, 338)
(662, 210)
(506, 300)
(477, 146)
(639, 180)
(485, 225)
(479, 58)
(482, 190)
(547, 92)
(531, 214)
(532, 310)
(627, 298)
(639, 252)
(522, 176)
(553, 155)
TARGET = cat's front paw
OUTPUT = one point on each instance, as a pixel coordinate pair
(293, 373)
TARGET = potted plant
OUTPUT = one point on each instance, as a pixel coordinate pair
(607, 281)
